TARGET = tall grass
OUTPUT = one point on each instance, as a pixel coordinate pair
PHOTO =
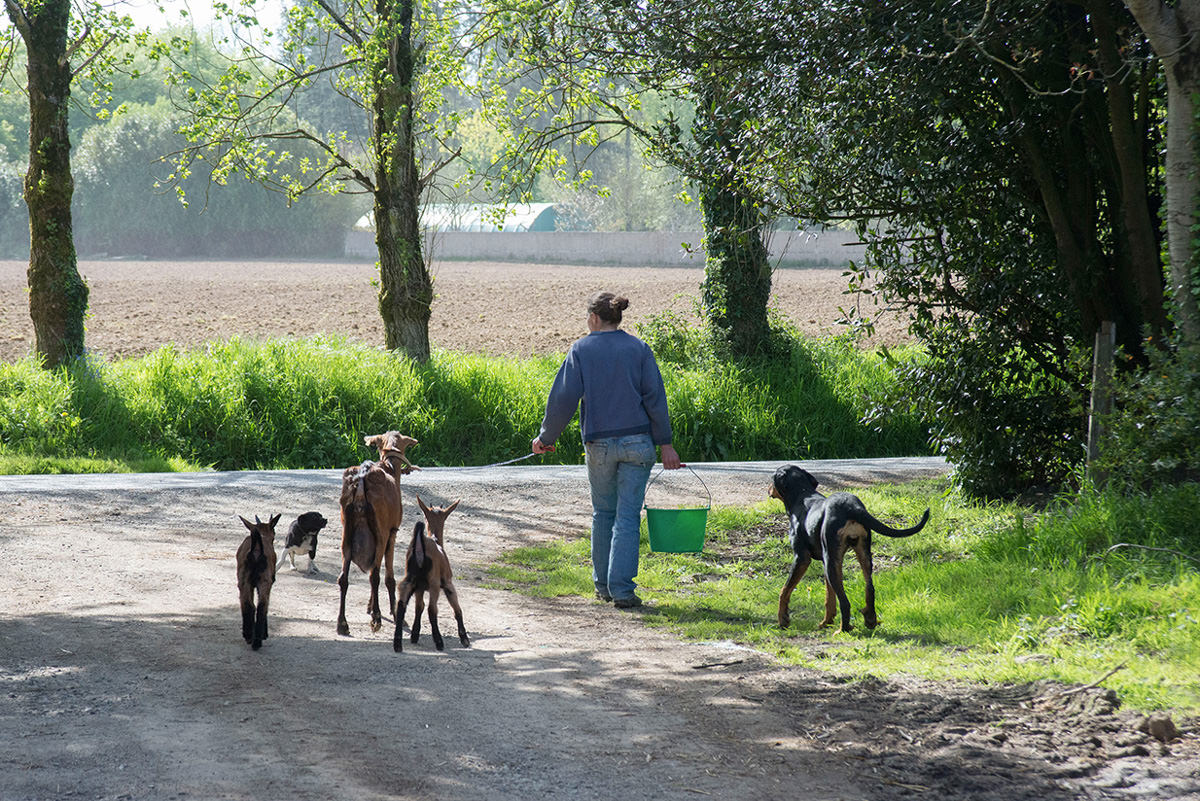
(306, 404)
(990, 593)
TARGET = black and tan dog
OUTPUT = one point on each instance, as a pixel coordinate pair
(825, 528)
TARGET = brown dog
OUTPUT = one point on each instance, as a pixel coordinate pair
(371, 515)
(825, 528)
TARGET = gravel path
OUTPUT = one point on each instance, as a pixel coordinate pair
(123, 675)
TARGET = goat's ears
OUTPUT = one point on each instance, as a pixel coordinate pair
(249, 525)
(421, 503)
(274, 520)
(453, 506)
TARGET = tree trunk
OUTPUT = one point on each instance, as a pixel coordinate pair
(1174, 33)
(405, 287)
(1183, 194)
(737, 269)
(1141, 267)
(58, 295)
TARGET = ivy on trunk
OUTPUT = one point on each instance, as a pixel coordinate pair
(406, 289)
(58, 296)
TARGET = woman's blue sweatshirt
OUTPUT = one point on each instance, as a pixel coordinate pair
(615, 376)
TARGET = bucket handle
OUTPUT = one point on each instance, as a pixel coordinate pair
(694, 473)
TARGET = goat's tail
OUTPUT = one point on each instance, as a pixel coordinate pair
(417, 560)
(256, 557)
(888, 531)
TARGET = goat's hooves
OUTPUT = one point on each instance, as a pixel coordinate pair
(376, 625)
(415, 636)
(343, 628)
(256, 644)
(398, 645)
(784, 622)
(466, 642)
(441, 646)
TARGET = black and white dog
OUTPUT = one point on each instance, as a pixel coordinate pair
(302, 538)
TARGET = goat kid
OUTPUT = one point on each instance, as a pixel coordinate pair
(256, 574)
(427, 571)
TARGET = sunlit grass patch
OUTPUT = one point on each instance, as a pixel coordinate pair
(28, 465)
(284, 404)
(954, 601)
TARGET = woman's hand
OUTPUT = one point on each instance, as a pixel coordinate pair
(537, 447)
(670, 459)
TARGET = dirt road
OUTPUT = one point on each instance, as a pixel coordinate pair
(123, 674)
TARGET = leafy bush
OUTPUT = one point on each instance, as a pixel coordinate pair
(1005, 422)
(1154, 434)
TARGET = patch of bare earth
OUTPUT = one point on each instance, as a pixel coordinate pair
(123, 674)
(480, 307)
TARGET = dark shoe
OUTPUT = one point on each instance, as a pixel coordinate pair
(627, 603)
(603, 596)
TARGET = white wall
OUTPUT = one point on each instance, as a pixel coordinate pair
(804, 248)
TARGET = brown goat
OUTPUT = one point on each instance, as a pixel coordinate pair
(256, 573)
(371, 515)
(427, 570)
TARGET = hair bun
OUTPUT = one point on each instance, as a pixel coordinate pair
(607, 306)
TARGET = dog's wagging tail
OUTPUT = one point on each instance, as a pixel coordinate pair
(824, 528)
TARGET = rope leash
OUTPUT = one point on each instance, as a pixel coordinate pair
(500, 464)
(529, 455)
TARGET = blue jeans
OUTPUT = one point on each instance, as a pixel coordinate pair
(618, 469)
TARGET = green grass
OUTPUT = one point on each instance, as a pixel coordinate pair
(307, 403)
(987, 593)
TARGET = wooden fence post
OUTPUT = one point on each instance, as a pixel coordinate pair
(1102, 363)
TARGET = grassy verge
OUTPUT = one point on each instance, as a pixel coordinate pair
(307, 403)
(989, 593)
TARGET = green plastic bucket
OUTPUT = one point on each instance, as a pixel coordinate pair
(677, 529)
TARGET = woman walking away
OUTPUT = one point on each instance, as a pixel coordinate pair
(623, 416)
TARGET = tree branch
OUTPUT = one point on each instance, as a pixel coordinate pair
(90, 58)
(435, 169)
(1162, 27)
(78, 43)
(19, 18)
(341, 23)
